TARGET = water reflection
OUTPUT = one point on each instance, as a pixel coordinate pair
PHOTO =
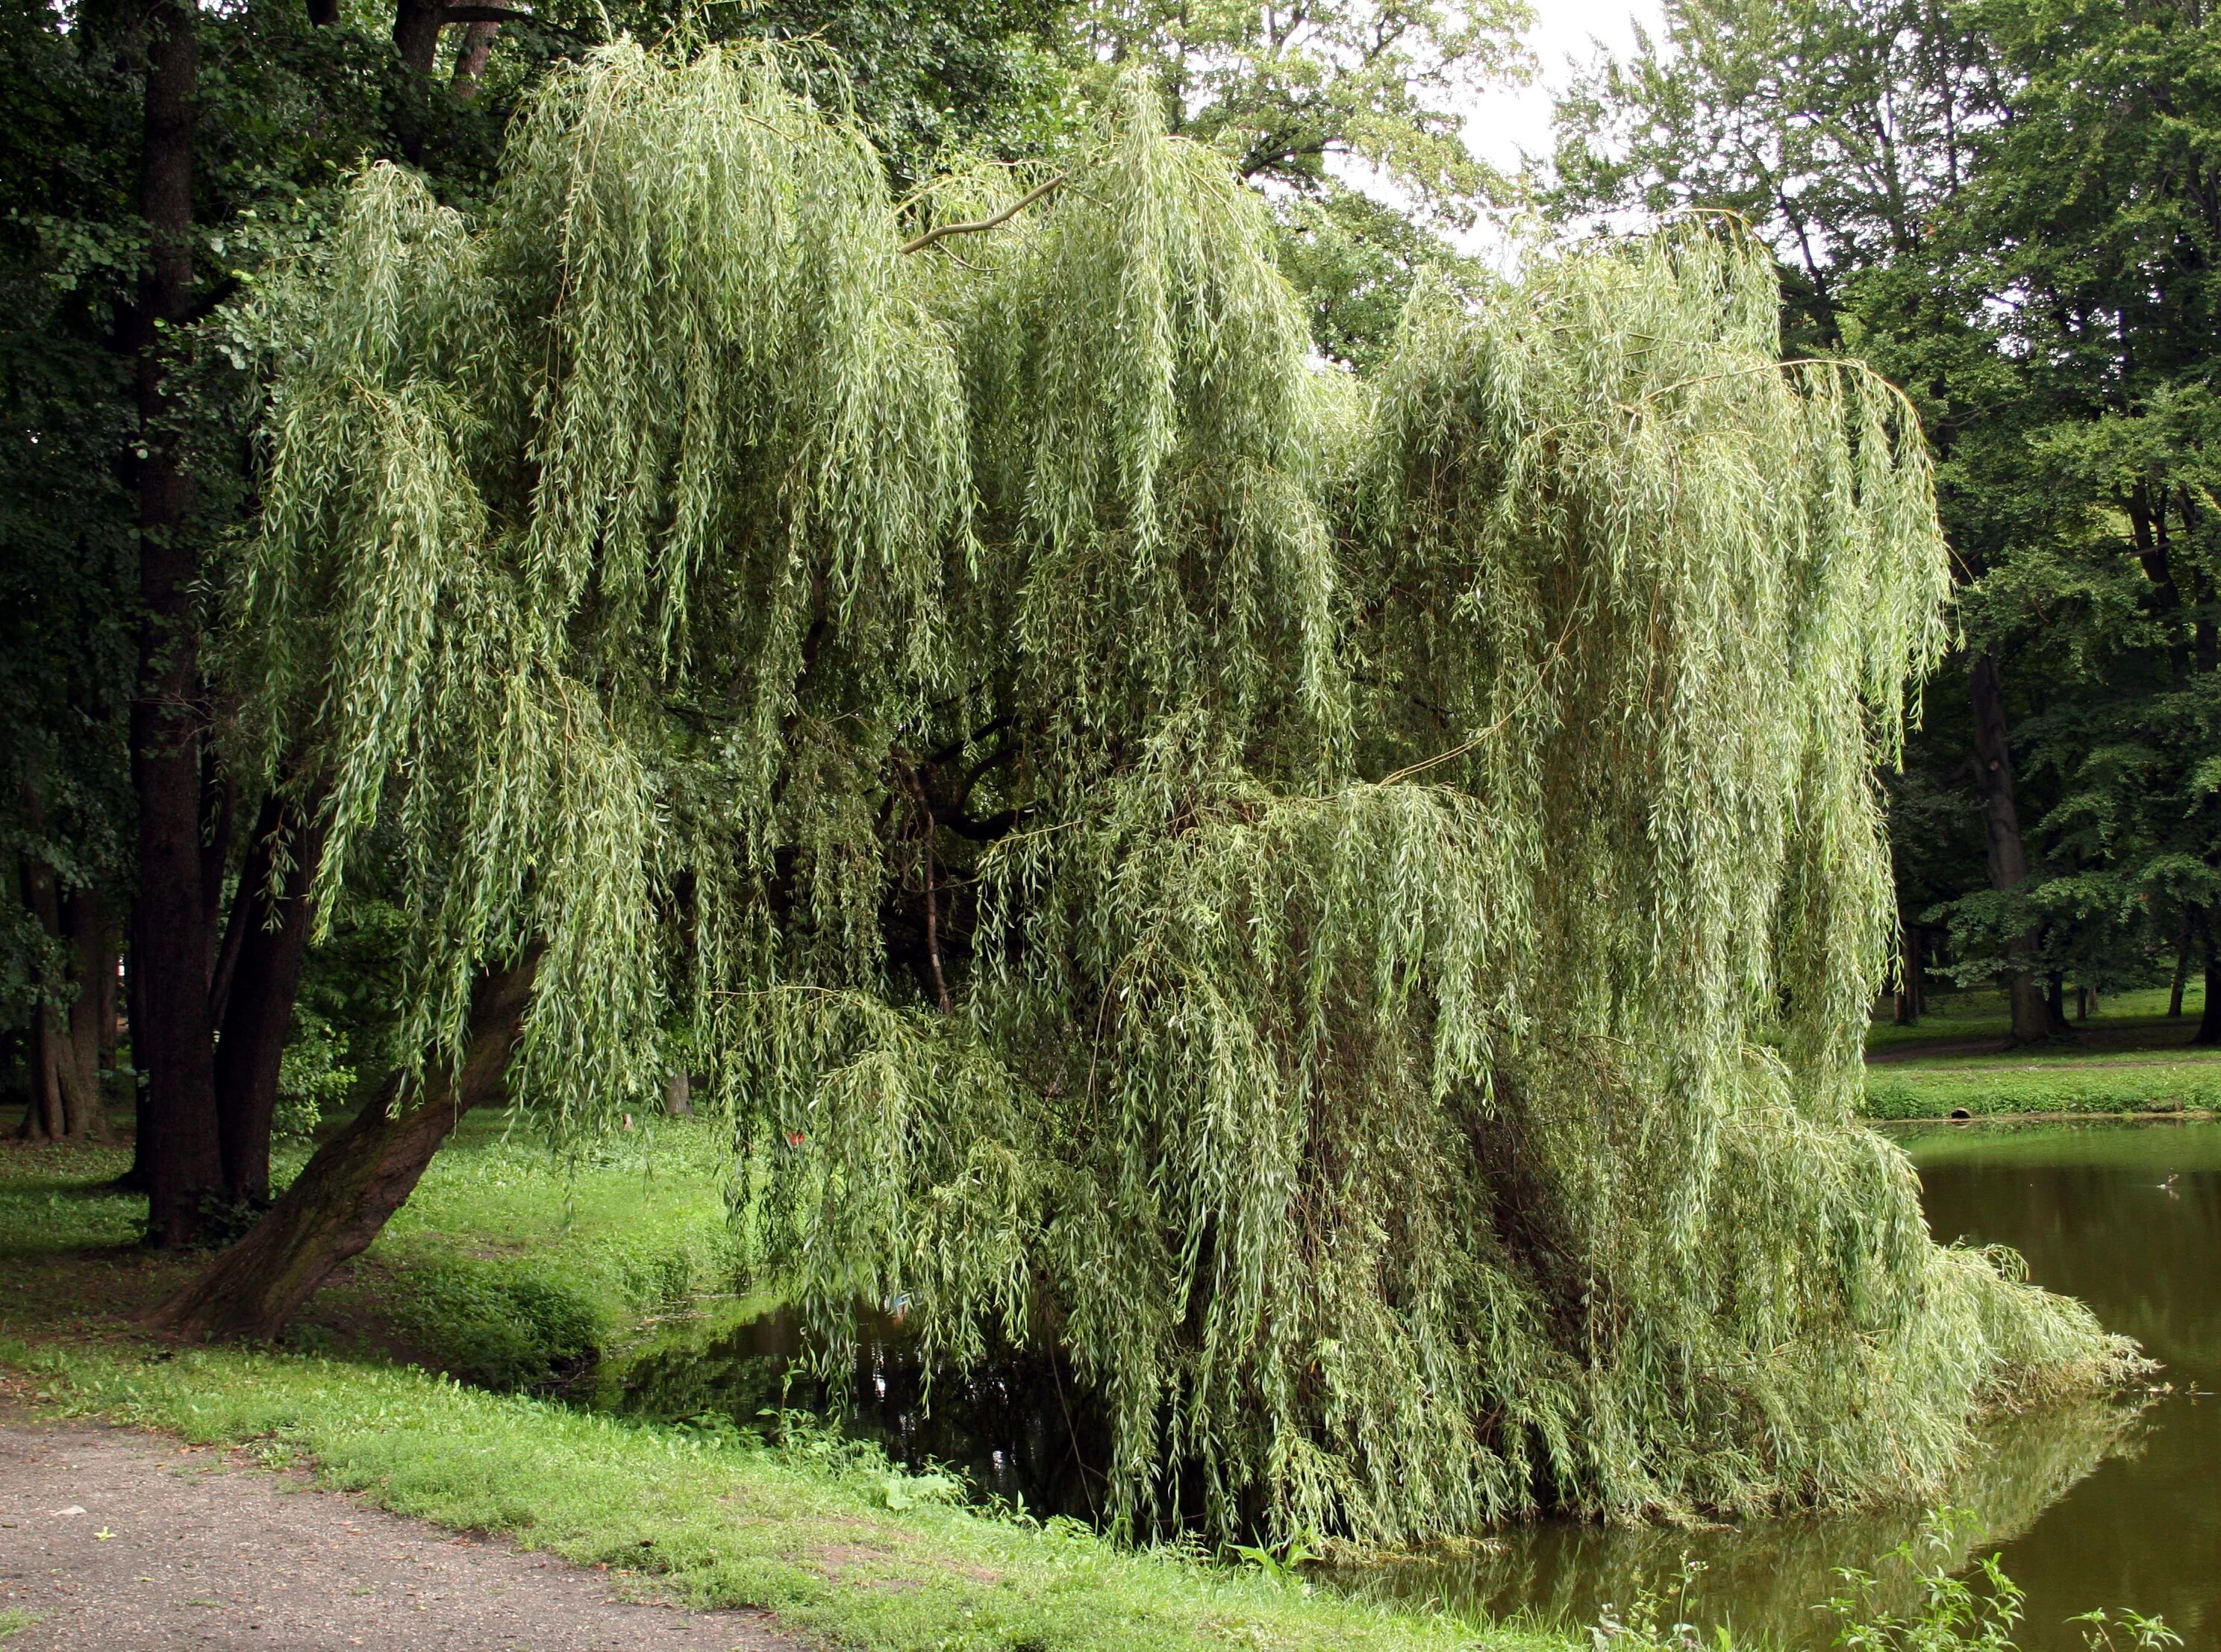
(2128, 1218)
(1761, 1578)
(2094, 1505)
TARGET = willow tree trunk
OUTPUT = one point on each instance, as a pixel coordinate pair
(354, 1183)
(2008, 859)
(265, 947)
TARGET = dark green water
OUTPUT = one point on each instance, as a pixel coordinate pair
(2112, 1506)
(2093, 1506)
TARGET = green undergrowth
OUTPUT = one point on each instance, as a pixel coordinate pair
(509, 1266)
(822, 1531)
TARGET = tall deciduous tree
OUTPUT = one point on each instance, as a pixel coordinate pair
(908, 649)
(2010, 206)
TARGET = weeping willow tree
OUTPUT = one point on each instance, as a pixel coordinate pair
(1345, 908)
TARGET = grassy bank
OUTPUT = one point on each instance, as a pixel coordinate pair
(509, 1264)
(2129, 1057)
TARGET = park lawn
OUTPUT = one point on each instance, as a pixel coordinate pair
(823, 1532)
(2129, 1058)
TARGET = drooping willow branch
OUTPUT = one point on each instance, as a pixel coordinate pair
(1395, 1157)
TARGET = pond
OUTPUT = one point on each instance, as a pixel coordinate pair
(2096, 1505)
(2105, 1504)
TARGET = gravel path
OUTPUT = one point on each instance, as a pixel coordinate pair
(114, 1540)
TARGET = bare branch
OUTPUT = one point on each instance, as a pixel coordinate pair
(941, 231)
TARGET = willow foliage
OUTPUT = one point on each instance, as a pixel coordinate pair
(1347, 908)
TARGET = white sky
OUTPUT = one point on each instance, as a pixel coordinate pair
(1507, 122)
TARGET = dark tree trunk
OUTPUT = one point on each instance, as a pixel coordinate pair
(172, 1041)
(416, 32)
(46, 1117)
(46, 1047)
(471, 61)
(2208, 1018)
(253, 873)
(2181, 970)
(92, 959)
(2008, 859)
(323, 14)
(258, 1012)
(355, 1182)
(219, 802)
(1911, 997)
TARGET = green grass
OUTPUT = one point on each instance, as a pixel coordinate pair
(14, 1621)
(823, 1532)
(508, 1267)
(2140, 1017)
(2035, 1087)
(2129, 1057)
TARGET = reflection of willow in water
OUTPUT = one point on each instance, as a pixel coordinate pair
(1764, 1578)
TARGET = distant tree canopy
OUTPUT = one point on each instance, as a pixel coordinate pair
(1346, 906)
(2010, 207)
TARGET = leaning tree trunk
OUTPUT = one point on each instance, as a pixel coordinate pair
(265, 948)
(2008, 858)
(354, 1183)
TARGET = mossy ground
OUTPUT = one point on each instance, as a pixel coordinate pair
(509, 1264)
(2130, 1056)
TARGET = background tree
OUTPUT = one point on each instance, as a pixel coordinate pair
(1349, 116)
(127, 393)
(2001, 205)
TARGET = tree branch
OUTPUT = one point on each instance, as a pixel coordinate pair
(941, 231)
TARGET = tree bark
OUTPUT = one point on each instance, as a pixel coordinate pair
(258, 1012)
(2181, 970)
(678, 1095)
(323, 14)
(46, 1047)
(2008, 858)
(44, 1116)
(92, 957)
(416, 32)
(173, 1043)
(471, 61)
(2208, 1018)
(1912, 998)
(355, 1182)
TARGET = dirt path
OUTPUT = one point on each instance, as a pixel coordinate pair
(117, 1540)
